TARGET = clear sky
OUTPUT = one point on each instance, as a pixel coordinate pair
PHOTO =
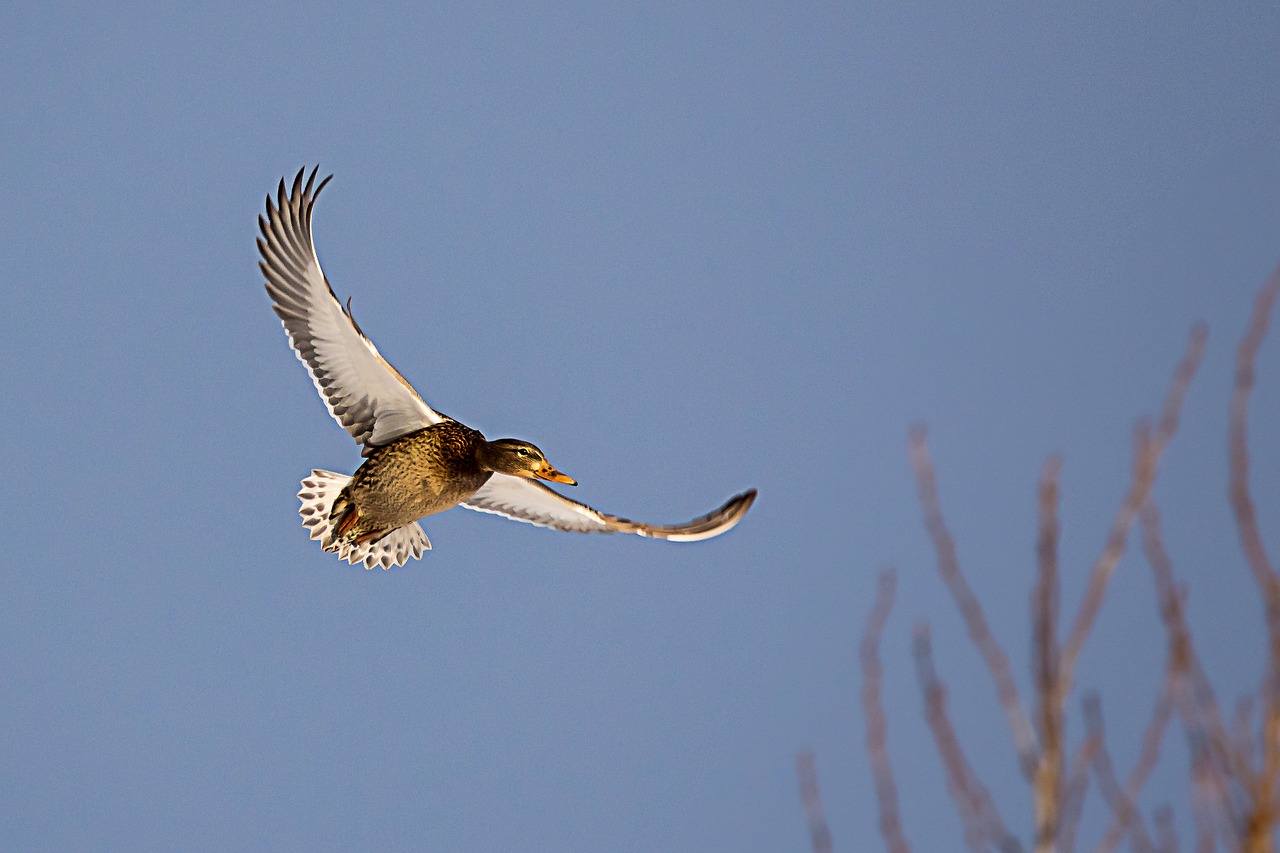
(685, 250)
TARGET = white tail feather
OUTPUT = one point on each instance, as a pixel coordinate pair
(394, 549)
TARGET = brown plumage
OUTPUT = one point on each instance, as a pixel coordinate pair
(420, 474)
(419, 462)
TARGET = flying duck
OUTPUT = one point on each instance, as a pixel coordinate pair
(417, 461)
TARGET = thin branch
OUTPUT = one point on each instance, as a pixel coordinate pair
(873, 710)
(1124, 808)
(1223, 776)
(1146, 762)
(1077, 785)
(960, 781)
(811, 797)
(1024, 739)
(1260, 823)
(1197, 704)
(1190, 690)
(1216, 795)
(1207, 805)
(1047, 783)
(1147, 452)
(1237, 438)
(982, 824)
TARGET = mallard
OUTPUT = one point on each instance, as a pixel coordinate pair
(417, 461)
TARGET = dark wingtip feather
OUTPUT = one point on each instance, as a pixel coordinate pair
(733, 510)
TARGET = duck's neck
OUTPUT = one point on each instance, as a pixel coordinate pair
(488, 457)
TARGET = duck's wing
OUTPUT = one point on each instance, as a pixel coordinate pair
(521, 499)
(362, 390)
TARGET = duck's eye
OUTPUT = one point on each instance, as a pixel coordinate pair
(522, 451)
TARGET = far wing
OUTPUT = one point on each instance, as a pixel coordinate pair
(521, 499)
(363, 392)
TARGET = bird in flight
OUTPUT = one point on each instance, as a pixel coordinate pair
(417, 461)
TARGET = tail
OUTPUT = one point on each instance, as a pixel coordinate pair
(319, 491)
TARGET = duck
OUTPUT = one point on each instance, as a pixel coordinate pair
(417, 461)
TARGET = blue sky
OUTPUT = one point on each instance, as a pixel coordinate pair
(685, 250)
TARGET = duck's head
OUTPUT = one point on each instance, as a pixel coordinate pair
(519, 459)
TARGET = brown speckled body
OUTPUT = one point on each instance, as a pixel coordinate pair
(416, 475)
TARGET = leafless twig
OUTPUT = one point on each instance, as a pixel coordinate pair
(873, 710)
(1264, 814)
(1241, 501)
(1147, 451)
(1076, 786)
(1122, 805)
(982, 825)
(1193, 694)
(811, 797)
(1205, 802)
(1047, 781)
(1145, 764)
(1024, 738)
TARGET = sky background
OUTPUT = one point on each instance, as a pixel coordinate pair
(685, 250)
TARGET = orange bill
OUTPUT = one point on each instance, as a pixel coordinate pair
(546, 472)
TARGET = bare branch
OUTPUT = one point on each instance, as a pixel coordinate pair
(1207, 806)
(1221, 771)
(1024, 739)
(1241, 500)
(873, 710)
(1147, 452)
(1047, 782)
(811, 797)
(1221, 808)
(960, 780)
(1077, 785)
(1146, 762)
(1260, 823)
(982, 824)
(1122, 805)
(1197, 704)
(1224, 780)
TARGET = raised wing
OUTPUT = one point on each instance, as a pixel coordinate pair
(361, 389)
(526, 500)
